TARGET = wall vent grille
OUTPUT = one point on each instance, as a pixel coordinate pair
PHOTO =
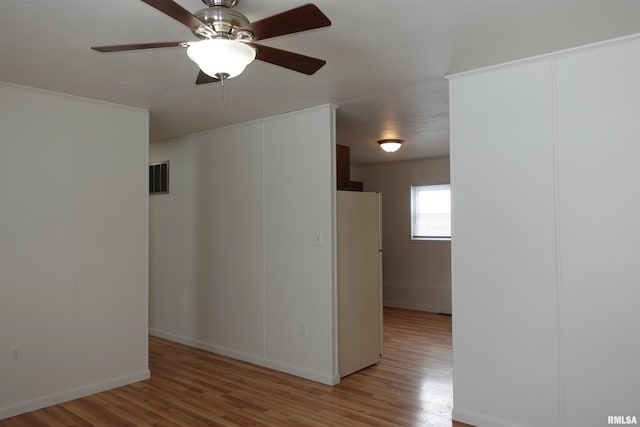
(159, 178)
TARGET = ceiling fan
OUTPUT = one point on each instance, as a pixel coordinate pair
(226, 38)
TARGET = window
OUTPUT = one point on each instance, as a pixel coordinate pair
(431, 212)
(159, 178)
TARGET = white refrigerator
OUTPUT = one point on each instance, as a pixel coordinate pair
(359, 259)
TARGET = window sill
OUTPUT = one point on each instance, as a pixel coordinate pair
(430, 239)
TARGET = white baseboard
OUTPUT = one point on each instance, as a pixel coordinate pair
(74, 393)
(300, 372)
(418, 307)
(476, 419)
(247, 357)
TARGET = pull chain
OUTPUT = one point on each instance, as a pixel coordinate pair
(224, 98)
(222, 77)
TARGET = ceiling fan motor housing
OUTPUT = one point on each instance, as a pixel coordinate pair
(225, 3)
(221, 17)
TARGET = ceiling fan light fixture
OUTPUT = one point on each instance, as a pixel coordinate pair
(221, 56)
(391, 145)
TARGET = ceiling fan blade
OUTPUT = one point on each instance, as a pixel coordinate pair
(136, 46)
(205, 78)
(302, 18)
(175, 11)
(283, 58)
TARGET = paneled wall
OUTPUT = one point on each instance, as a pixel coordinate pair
(545, 240)
(235, 267)
(73, 247)
(417, 274)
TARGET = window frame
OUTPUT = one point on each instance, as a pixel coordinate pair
(413, 195)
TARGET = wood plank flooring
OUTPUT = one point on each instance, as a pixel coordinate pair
(411, 386)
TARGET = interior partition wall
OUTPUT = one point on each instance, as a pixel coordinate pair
(73, 247)
(545, 238)
(242, 246)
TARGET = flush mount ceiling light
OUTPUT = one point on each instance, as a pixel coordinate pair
(221, 58)
(391, 145)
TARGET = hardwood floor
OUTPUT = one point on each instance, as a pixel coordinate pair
(411, 386)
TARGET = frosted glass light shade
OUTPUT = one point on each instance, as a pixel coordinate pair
(221, 56)
(390, 145)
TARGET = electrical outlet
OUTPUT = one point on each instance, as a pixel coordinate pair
(16, 354)
(317, 239)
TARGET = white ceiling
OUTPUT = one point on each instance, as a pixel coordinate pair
(386, 61)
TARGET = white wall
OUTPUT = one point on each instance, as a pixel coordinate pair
(417, 274)
(545, 240)
(598, 220)
(234, 268)
(504, 271)
(73, 247)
